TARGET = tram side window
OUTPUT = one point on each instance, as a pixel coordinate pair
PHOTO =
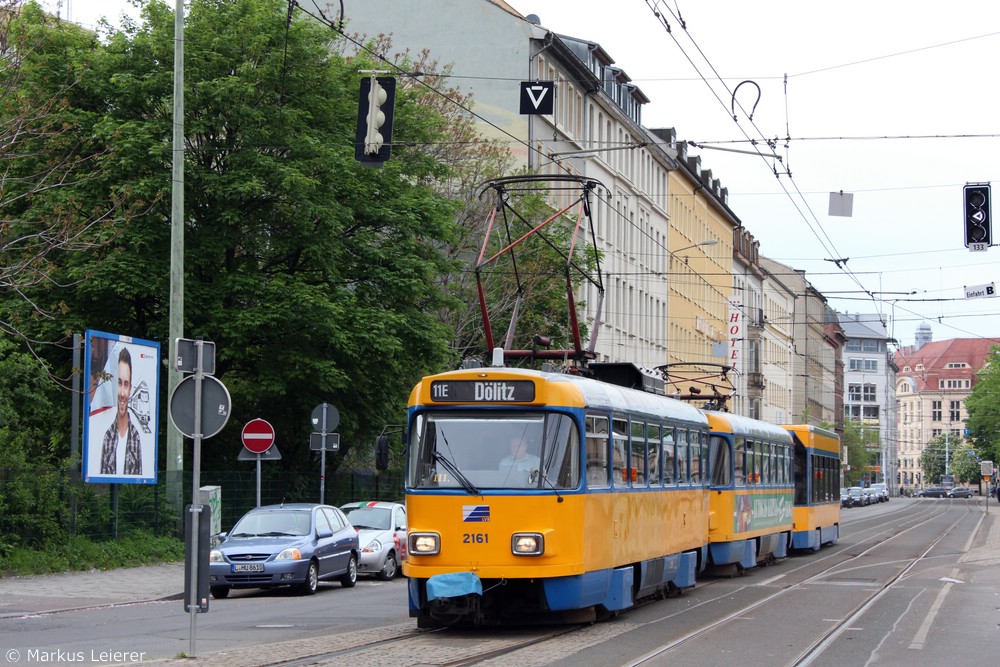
(817, 479)
(653, 440)
(720, 460)
(799, 471)
(697, 457)
(682, 456)
(765, 462)
(739, 461)
(638, 462)
(619, 452)
(822, 485)
(597, 450)
(786, 465)
(779, 462)
(754, 451)
(669, 457)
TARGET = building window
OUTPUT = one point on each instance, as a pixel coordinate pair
(864, 364)
(870, 345)
(935, 411)
(869, 393)
(955, 411)
(854, 393)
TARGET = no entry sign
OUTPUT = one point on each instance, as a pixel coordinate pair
(258, 436)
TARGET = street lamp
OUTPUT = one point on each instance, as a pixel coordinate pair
(693, 245)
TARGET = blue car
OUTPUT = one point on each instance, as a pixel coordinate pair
(298, 545)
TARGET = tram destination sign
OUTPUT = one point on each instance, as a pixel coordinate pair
(482, 391)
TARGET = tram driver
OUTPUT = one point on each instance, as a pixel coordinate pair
(519, 458)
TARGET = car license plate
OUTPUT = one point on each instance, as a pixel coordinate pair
(248, 567)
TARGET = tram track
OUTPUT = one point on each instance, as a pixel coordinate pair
(869, 544)
(539, 646)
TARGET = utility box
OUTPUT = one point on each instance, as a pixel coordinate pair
(212, 496)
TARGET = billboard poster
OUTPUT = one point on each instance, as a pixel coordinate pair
(122, 379)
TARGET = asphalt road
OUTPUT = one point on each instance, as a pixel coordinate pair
(942, 611)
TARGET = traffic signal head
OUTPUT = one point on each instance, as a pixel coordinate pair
(374, 132)
(977, 214)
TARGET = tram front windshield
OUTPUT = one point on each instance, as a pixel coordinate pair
(490, 450)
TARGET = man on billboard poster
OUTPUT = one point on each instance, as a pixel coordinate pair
(121, 452)
(121, 406)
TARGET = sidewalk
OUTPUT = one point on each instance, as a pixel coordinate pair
(74, 590)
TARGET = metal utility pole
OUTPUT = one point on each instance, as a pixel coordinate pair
(175, 442)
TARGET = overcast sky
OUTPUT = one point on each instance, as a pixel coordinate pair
(885, 100)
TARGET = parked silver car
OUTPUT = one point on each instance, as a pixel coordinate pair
(381, 530)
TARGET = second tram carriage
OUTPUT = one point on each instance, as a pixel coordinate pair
(752, 488)
(534, 493)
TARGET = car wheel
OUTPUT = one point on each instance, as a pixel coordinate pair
(390, 567)
(309, 586)
(351, 577)
(219, 592)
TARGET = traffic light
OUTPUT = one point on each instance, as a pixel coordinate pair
(977, 214)
(373, 139)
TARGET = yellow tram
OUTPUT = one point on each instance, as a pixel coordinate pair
(530, 492)
(752, 488)
(816, 515)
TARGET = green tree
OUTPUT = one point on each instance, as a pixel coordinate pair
(315, 277)
(33, 438)
(52, 162)
(965, 464)
(983, 406)
(936, 452)
(862, 446)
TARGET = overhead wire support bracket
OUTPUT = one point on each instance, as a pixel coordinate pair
(504, 211)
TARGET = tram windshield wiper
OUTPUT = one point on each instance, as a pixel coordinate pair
(454, 470)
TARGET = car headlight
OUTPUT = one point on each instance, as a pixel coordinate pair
(527, 544)
(216, 557)
(291, 553)
(425, 544)
(373, 547)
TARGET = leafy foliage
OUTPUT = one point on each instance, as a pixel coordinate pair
(80, 553)
(862, 446)
(983, 406)
(936, 452)
(317, 278)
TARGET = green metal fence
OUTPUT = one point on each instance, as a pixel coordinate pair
(43, 504)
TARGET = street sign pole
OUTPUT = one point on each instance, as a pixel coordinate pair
(258, 438)
(190, 393)
(195, 485)
(322, 461)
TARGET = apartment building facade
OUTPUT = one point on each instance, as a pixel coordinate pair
(595, 132)
(933, 381)
(870, 389)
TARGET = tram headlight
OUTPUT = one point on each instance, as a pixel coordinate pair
(424, 544)
(527, 544)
